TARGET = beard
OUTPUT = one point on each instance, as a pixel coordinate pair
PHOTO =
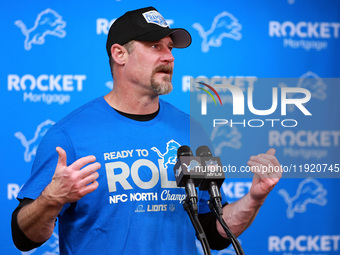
(164, 86)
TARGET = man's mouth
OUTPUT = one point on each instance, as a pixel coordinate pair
(163, 69)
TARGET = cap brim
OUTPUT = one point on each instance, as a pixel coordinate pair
(180, 37)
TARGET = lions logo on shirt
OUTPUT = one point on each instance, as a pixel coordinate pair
(170, 156)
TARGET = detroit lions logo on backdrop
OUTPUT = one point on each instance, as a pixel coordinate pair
(311, 82)
(32, 145)
(309, 191)
(170, 156)
(48, 22)
(223, 25)
(314, 84)
(225, 136)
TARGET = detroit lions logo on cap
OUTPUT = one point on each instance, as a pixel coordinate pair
(155, 18)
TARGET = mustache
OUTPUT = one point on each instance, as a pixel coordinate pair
(163, 68)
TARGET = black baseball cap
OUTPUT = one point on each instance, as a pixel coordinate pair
(145, 24)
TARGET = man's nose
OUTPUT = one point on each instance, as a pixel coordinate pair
(167, 56)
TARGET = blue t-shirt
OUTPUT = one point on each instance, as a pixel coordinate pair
(136, 208)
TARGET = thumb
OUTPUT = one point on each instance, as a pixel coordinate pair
(62, 157)
(271, 151)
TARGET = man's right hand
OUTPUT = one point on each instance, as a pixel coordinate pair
(71, 183)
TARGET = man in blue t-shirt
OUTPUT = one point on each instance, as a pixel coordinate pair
(111, 182)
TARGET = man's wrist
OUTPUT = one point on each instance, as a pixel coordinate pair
(254, 202)
(48, 200)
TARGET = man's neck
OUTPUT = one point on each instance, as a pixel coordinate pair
(132, 103)
(139, 117)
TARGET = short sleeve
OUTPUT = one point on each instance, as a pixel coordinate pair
(45, 163)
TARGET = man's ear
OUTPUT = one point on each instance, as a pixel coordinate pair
(119, 54)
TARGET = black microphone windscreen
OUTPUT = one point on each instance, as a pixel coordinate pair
(184, 151)
(203, 151)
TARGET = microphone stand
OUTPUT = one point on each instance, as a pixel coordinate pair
(190, 206)
(216, 208)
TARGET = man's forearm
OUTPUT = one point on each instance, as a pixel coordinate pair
(37, 219)
(239, 215)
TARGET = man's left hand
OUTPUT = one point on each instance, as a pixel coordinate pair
(267, 173)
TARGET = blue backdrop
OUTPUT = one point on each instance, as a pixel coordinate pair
(53, 59)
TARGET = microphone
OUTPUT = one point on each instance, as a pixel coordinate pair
(213, 175)
(188, 174)
(213, 179)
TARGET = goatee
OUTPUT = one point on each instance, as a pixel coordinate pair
(165, 86)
